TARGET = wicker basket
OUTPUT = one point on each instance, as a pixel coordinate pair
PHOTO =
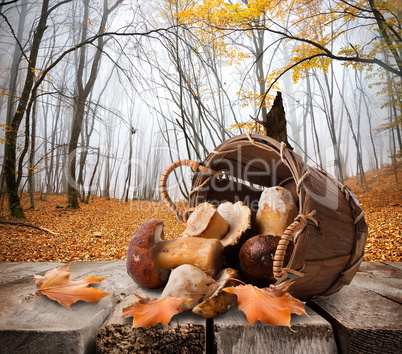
(329, 233)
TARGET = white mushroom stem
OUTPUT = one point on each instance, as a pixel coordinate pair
(187, 281)
(203, 253)
(276, 211)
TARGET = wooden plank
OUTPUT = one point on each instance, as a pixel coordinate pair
(32, 324)
(382, 278)
(310, 335)
(397, 265)
(366, 315)
(13, 271)
(186, 333)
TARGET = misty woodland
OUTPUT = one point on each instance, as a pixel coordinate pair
(98, 97)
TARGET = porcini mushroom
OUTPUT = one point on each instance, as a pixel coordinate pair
(140, 263)
(205, 221)
(256, 259)
(203, 253)
(187, 281)
(150, 257)
(276, 211)
(238, 217)
(216, 302)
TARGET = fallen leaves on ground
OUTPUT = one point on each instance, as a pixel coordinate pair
(271, 306)
(56, 285)
(102, 229)
(147, 312)
(382, 206)
(98, 231)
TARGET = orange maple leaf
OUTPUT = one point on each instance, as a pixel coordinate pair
(268, 305)
(56, 285)
(147, 312)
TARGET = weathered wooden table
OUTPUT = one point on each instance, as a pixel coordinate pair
(364, 317)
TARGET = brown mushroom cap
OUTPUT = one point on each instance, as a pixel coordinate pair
(141, 266)
(205, 221)
(216, 301)
(256, 259)
(238, 216)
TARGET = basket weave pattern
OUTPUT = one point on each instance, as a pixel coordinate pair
(329, 233)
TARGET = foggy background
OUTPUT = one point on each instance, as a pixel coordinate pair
(162, 93)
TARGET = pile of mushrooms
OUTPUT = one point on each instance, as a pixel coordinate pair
(195, 265)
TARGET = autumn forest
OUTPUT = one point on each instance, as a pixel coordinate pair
(97, 97)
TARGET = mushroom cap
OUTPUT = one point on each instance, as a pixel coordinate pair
(140, 263)
(216, 302)
(256, 259)
(205, 221)
(238, 216)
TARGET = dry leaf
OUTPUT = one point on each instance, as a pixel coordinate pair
(147, 312)
(270, 306)
(56, 285)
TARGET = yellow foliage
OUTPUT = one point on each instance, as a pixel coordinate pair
(251, 127)
(6, 127)
(248, 96)
(319, 32)
(316, 22)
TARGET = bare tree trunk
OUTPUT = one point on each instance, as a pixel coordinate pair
(31, 168)
(12, 87)
(305, 145)
(109, 168)
(11, 133)
(330, 118)
(17, 55)
(82, 161)
(258, 40)
(81, 99)
(355, 139)
(393, 110)
(93, 177)
(368, 112)
(85, 138)
(392, 143)
(127, 182)
(313, 125)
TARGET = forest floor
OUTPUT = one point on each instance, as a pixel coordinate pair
(102, 229)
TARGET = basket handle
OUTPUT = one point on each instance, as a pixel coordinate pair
(195, 166)
(290, 234)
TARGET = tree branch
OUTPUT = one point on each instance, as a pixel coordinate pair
(14, 35)
(9, 2)
(327, 53)
(20, 223)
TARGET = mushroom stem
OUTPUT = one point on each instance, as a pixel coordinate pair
(203, 253)
(276, 211)
(189, 282)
